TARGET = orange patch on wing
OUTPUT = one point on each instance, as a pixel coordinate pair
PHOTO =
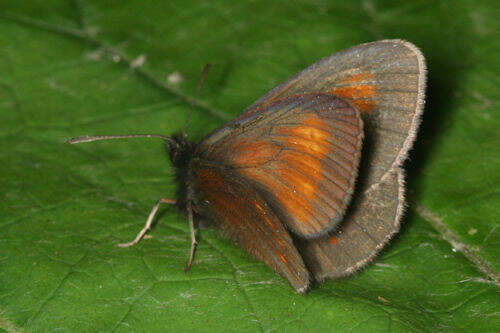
(305, 164)
(333, 240)
(309, 137)
(310, 166)
(355, 92)
(321, 129)
(248, 154)
(364, 105)
(299, 182)
(294, 204)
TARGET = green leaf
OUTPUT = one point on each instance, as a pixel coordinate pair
(104, 67)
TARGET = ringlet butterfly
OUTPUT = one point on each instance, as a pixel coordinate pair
(280, 178)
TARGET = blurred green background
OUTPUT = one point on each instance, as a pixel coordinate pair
(75, 67)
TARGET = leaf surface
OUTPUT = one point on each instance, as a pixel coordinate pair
(92, 67)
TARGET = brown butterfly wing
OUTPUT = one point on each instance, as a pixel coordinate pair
(385, 80)
(301, 153)
(244, 216)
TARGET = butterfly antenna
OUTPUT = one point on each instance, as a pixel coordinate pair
(90, 138)
(200, 83)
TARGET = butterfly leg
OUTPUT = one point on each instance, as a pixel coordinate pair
(148, 222)
(193, 238)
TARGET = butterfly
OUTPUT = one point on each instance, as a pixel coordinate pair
(309, 178)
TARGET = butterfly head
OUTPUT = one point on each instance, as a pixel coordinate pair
(179, 150)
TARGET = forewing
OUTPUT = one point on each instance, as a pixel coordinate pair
(300, 152)
(244, 216)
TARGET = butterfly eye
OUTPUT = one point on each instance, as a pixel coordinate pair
(173, 154)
